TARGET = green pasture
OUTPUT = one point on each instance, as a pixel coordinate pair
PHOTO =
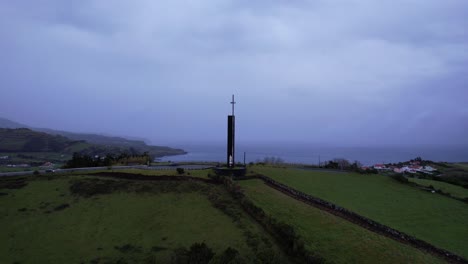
(337, 240)
(137, 222)
(193, 173)
(462, 165)
(11, 169)
(434, 218)
(453, 190)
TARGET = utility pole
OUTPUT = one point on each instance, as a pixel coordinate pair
(244, 158)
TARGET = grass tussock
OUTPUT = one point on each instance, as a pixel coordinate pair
(13, 183)
(88, 187)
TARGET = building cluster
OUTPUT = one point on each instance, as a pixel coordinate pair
(412, 167)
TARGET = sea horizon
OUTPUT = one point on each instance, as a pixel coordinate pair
(312, 154)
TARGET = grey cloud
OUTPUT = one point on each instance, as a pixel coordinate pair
(331, 71)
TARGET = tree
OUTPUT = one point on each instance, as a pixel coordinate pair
(199, 253)
(342, 163)
(356, 166)
(331, 165)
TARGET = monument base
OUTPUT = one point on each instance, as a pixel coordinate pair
(234, 171)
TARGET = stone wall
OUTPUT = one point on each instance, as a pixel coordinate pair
(362, 221)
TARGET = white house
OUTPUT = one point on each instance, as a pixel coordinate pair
(429, 168)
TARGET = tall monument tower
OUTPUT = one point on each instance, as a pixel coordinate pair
(231, 137)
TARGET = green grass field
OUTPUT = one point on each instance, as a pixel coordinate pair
(193, 173)
(462, 166)
(10, 169)
(436, 219)
(454, 190)
(335, 239)
(136, 222)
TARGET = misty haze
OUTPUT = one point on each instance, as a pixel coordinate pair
(234, 131)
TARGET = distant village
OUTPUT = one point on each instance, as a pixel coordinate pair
(413, 166)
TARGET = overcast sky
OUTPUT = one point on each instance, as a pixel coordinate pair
(354, 72)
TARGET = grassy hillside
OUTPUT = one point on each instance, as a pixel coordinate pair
(119, 143)
(453, 190)
(23, 145)
(26, 140)
(436, 219)
(336, 239)
(462, 165)
(83, 219)
(5, 123)
(79, 218)
(106, 143)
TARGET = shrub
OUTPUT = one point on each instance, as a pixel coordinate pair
(91, 187)
(36, 172)
(61, 207)
(230, 255)
(13, 183)
(199, 253)
(400, 178)
(180, 170)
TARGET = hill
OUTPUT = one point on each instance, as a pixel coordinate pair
(102, 144)
(119, 144)
(5, 123)
(26, 140)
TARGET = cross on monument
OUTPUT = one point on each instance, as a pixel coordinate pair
(233, 103)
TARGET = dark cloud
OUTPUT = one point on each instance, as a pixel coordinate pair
(343, 72)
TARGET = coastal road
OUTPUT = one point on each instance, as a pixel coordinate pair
(141, 167)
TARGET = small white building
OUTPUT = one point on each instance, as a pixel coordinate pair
(407, 169)
(429, 168)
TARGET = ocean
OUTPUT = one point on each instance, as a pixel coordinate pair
(312, 154)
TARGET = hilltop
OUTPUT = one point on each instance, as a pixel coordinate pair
(6, 123)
